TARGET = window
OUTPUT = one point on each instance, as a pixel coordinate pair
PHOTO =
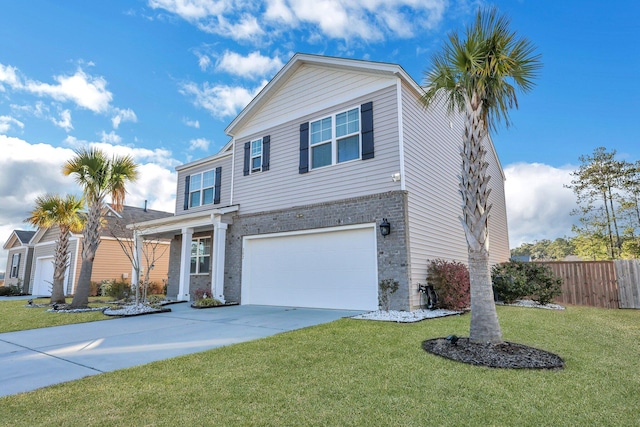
(256, 155)
(335, 139)
(201, 188)
(200, 255)
(15, 264)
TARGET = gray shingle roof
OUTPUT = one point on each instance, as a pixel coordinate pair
(24, 236)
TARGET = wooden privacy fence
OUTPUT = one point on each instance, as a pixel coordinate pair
(606, 284)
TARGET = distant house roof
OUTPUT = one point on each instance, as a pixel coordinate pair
(24, 236)
(521, 258)
(117, 221)
(21, 236)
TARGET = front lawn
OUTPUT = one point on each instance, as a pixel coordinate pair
(367, 373)
(14, 316)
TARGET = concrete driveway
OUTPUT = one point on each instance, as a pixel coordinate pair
(42, 357)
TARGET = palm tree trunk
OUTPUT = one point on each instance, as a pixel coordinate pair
(484, 319)
(474, 189)
(90, 242)
(60, 267)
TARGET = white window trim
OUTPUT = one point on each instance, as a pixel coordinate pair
(202, 188)
(334, 139)
(252, 156)
(198, 256)
(15, 265)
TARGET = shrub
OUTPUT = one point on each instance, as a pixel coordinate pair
(387, 287)
(202, 293)
(510, 281)
(116, 289)
(95, 289)
(10, 290)
(154, 288)
(450, 280)
(515, 280)
(207, 302)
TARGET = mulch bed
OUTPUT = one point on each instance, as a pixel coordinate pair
(505, 355)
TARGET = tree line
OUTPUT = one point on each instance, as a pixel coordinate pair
(608, 197)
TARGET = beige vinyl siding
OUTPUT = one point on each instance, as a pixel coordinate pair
(23, 268)
(284, 187)
(432, 141)
(225, 189)
(111, 263)
(319, 88)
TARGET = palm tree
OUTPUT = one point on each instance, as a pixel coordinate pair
(54, 210)
(99, 177)
(477, 75)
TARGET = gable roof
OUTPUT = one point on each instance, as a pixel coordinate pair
(300, 59)
(21, 236)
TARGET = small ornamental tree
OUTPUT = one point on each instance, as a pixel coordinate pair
(515, 280)
(450, 280)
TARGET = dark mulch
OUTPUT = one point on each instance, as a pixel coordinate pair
(504, 355)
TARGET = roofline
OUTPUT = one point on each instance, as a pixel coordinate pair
(178, 221)
(224, 152)
(303, 58)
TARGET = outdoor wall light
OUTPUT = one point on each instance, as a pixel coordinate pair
(385, 227)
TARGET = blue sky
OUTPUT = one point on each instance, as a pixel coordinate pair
(161, 79)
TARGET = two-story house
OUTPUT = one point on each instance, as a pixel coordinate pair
(335, 178)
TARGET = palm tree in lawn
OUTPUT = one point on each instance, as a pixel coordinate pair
(54, 210)
(477, 74)
(99, 176)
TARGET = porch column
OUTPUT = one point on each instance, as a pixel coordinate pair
(217, 273)
(185, 265)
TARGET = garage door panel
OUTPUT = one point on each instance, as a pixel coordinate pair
(335, 269)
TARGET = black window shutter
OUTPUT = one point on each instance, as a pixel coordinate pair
(247, 157)
(266, 151)
(304, 148)
(217, 185)
(366, 119)
(186, 192)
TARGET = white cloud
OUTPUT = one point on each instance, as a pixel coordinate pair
(110, 138)
(199, 143)
(65, 120)
(204, 62)
(28, 170)
(191, 123)
(253, 65)
(86, 91)
(6, 122)
(538, 205)
(220, 100)
(121, 115)
(9, 75)
(368, 20)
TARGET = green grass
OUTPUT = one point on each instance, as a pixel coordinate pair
(14, 316)
(366, 373)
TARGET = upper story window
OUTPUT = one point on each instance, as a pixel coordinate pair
(201, 188)
(200, 255)
(335, 139)
(256, 155)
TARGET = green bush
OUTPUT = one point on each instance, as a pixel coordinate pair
(515, 280)
(207, 302)
(450, 281)
(510, 281)
(115, 289)
(10, 290)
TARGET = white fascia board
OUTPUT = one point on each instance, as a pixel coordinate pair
(177, 222)
(224, 152)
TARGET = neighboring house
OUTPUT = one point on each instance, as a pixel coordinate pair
(18, 270)
(288, 213)
(110, 262)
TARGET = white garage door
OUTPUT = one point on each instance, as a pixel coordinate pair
(43, 277)
(335, 268)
